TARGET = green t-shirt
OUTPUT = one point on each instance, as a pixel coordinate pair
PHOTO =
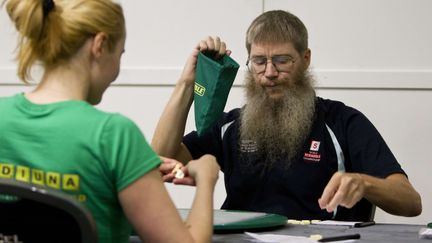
(73, 147)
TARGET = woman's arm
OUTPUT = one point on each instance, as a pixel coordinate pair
(149, 208)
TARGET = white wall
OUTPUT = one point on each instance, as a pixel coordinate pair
(372, 55)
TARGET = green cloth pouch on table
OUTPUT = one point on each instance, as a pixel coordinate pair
(213, 81)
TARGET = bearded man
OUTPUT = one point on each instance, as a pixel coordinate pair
(287, 151)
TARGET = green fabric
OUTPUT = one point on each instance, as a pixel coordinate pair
(73, 147)
(214, 78)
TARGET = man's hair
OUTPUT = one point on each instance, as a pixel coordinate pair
(52, 31)
(277, 26)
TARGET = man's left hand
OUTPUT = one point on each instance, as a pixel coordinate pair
(344, 189)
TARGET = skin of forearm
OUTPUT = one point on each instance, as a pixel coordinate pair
(393, 194)
(200, 218)
(170, 129)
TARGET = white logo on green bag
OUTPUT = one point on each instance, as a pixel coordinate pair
(199, 89)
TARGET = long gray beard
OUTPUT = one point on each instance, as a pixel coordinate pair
(279, 127)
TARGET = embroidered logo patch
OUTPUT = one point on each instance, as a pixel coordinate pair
(315, 145)
(248, 146)
(313, 156)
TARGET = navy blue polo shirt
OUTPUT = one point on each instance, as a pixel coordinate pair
(341, 138)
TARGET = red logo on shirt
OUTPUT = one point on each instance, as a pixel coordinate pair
(315, 145)
(313, 156)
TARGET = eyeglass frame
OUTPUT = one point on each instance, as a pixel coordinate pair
(272, 59)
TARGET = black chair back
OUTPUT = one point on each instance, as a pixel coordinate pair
(29, 213)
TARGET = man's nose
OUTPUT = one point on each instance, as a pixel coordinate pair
(270, 69)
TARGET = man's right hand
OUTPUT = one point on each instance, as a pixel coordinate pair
(166, 168)
(208, 45)
(205, 167)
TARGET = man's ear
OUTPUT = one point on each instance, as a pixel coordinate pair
(307, 57)
(99, 44)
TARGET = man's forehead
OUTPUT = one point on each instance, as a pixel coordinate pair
(272, 48)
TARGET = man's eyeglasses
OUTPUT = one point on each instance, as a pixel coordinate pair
(282, 63)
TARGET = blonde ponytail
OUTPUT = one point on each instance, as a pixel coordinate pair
(51, 32)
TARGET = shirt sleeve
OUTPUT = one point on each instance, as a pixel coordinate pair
(367, 149)
(220, 140)
(127, 153)
(200, 145)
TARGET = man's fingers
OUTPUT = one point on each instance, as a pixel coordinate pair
(222, 49)
(207, 44)
(168, 178)
(166, 168)
(202, 45)
(335, 201)
(210, 43)
(344, 190)
(213, 44)
(217, 43)
(352, 198)
(329, 191)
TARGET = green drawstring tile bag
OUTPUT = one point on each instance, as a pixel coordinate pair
(213, 81)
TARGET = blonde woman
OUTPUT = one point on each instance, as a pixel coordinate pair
(53, 136)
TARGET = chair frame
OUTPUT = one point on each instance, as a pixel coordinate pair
(56, 199)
